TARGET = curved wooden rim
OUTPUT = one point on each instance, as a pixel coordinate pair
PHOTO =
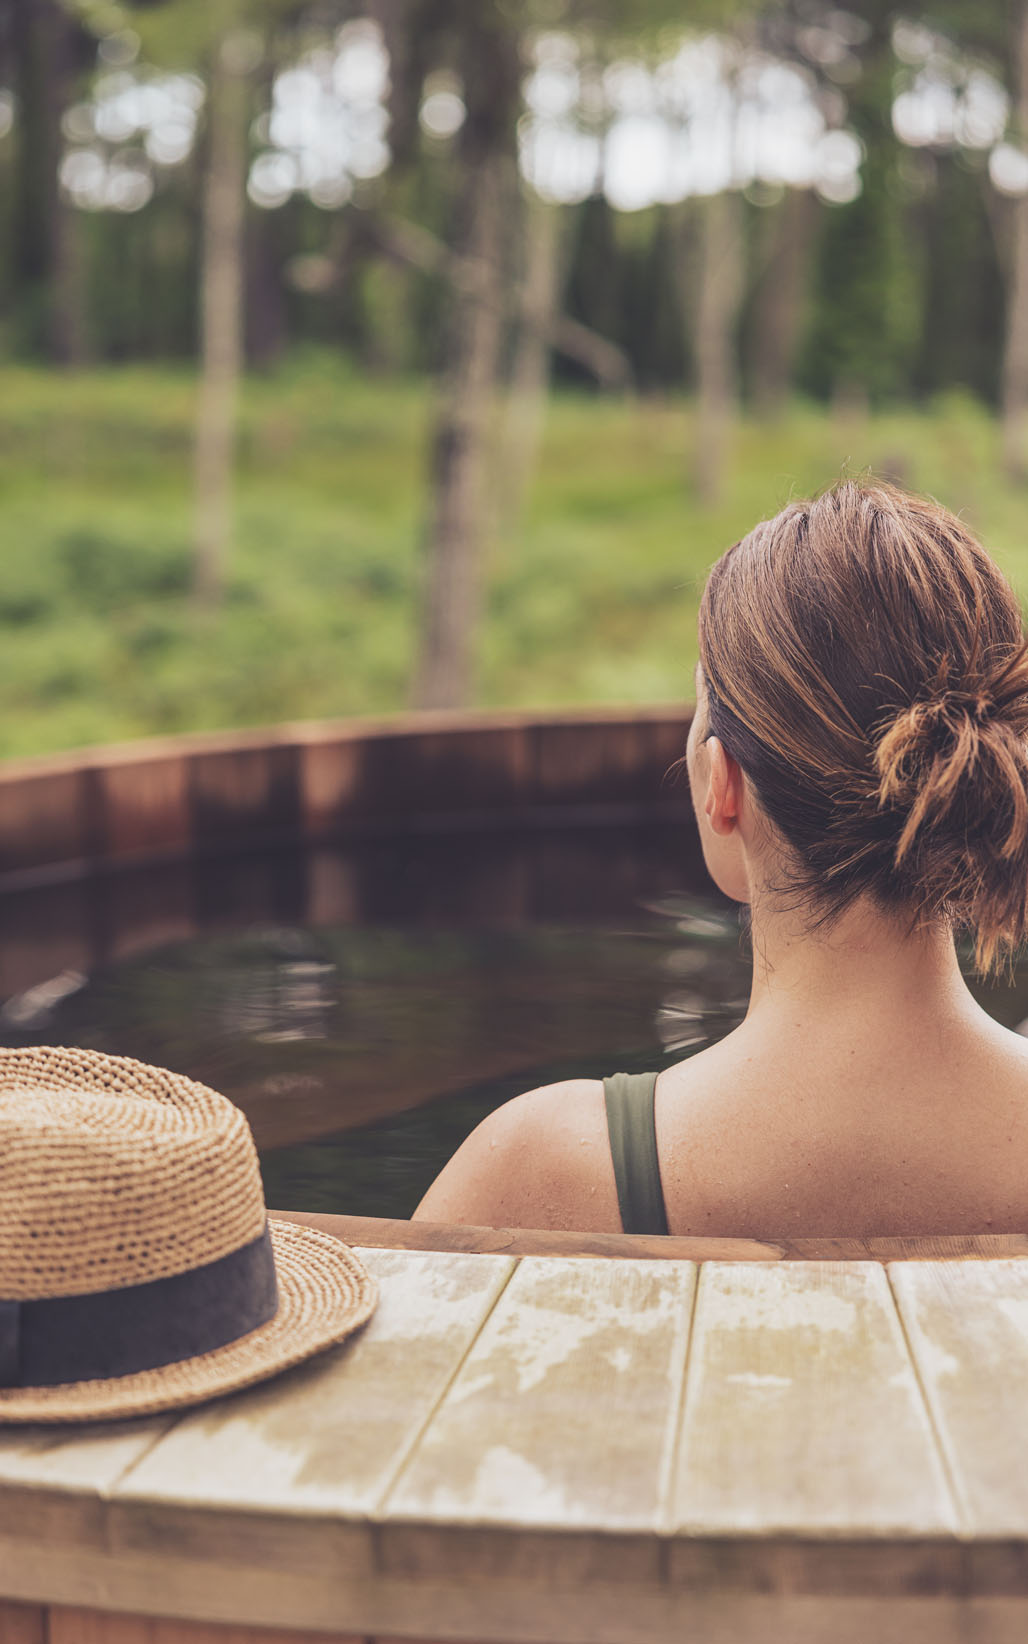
(71, 815)
(384, 1233)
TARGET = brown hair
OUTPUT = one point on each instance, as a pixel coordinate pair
(866, 665)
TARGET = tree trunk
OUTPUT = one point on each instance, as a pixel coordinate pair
(266, 324)
(49, 258)
(221, 316)
(778, 304)
(459, 461)
(718, 295)
(1015, 354)
(455, 538)
(530, 372)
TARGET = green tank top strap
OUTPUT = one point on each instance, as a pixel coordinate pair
(633, 1148)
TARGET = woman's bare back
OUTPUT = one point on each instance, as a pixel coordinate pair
(824, 1133)
(848, 1139)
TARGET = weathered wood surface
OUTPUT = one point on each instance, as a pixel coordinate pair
(389, 1234)
(969, 1341)
(592, 1452)
(628, 1619)
(561, 1417)
(331, 1436)
(76, 1626)
(803, 1415)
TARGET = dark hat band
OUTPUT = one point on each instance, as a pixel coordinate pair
(59, 1339)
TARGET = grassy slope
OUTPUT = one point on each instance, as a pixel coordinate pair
(591, 599)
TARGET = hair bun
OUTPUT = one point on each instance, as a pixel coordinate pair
(928, 754)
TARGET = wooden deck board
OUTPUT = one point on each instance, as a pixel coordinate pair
(330, 1435)
(76, 1626)
(563, 1412)
(589, 1452)
(394, 1234)
(54, 1482)
(968, 1332)
(803, 1415)
(78, 1456)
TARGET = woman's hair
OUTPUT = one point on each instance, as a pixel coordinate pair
(866, 666)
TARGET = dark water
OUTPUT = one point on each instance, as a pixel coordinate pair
(365, 1048)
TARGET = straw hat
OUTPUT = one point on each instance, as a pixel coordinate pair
(138, 1270)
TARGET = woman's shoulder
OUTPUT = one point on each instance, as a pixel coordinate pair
(541, 1160)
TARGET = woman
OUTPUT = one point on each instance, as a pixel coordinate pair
(858, 764)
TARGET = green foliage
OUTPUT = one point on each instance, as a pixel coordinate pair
(638, 23)
(904, 294)
(593, 599)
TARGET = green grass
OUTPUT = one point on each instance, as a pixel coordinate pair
(591, 598)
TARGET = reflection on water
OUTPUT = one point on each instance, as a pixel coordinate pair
(364, 1049)
(364, 1052)
(317, 1032)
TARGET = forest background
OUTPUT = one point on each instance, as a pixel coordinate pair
(427, 352)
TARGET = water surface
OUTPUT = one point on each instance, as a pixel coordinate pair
(366, 1021)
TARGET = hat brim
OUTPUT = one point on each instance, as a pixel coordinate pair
(325, 1293)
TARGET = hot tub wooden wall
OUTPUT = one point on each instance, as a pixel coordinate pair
(70, 813)
(457, 817)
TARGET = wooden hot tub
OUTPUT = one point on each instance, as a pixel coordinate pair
(733, 1449)
(799, 1442)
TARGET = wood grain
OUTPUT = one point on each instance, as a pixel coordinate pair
(76, 1626)
(612, 1615)
(563, 1412)
(968, 1333)
(515, 1454)
(803, 1415)
(390, 1234)
(908, 1247)
(385, 1233)
(76, 1457)
(331, 1435)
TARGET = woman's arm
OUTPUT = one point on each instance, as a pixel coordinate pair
(542, 1160)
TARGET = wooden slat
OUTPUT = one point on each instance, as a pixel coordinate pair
(76, 1458)
(75, 1626)
(803, 1415)
(53, 1485)
(968, 1332)
(257, 1513)
(533, 1484)
(243, 792)
(132, 799)
(22, 1624)
(391, 1234)
(563, 1413)
(613, 1613)
(916, 1247)
(388, 1234)
(145, 805)
(45, 817)
(330, 1435)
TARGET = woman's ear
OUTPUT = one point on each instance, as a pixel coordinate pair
(723, 802)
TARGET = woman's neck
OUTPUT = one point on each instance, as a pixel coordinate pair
(865, 962)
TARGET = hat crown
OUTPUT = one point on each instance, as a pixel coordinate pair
(115, 1174)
